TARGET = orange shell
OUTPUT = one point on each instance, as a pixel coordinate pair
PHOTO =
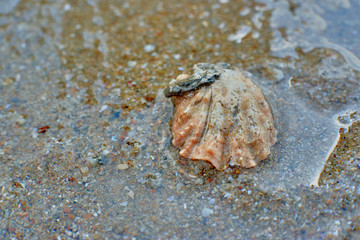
(226, 122)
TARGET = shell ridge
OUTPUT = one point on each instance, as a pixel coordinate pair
(191, 138)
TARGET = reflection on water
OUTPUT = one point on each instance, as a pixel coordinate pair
(295, 25)
(303, 26)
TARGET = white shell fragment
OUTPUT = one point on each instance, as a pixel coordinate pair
(221, 116)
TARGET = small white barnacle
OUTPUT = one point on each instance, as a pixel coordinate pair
(221, 116)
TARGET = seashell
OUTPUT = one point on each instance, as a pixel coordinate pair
(221, 116)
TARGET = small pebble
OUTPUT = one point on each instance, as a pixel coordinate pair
(67, 7)
(212, 201)
(240, 34)
(131, 194)
(20, 120)
(84, 170)
(176, 56)
(205, 212)
(179, 186)
(103, 108)
(244, 12)
(149, 48)
(199, 181)
(122, 166)
(131, 63)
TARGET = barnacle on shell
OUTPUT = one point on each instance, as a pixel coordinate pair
(221, 116)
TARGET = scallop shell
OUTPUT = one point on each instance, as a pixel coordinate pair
(221, 116)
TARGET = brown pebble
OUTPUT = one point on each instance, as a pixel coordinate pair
(23, 214)
(43, 129)
(71, 179)
(149, 98)
(122, 166)
(87, 216)
(67, 210)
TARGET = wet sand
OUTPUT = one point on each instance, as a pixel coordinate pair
(85, 141)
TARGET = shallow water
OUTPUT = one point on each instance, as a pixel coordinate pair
(84, 127)
(307, 133)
